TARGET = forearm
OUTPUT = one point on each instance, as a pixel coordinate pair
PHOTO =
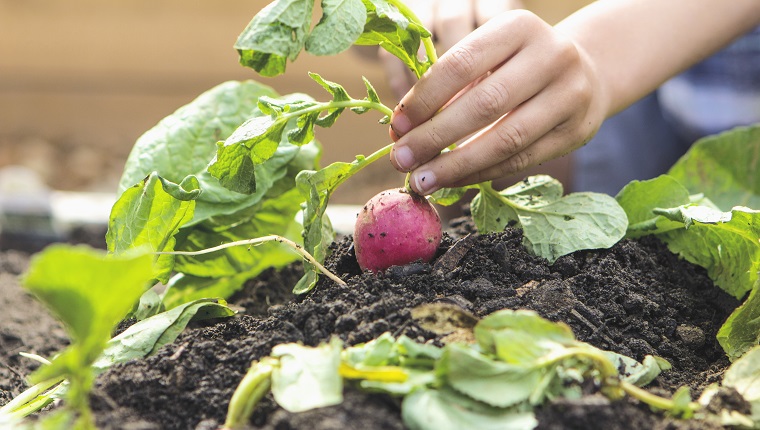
(635, 45)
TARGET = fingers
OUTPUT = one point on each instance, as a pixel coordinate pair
(547, 126)
(522, 77)
(480, 52)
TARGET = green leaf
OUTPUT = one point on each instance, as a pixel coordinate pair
(552, 225)
(341, 24)
(90, 292)
(149, 215)
(224, 272)
(640, 198)
(741, 331)
(493, 382)
(388, 28)
(256, 141)
(449, 196)
(272, 216)
(742, 375)
(639, 374)
(307, 378)
(429, 409)
(150, 304)
(724, 167)
(489, 211)
(145, 337)
(521, 336)
(276, 34)
(291, 121)
(726, 244)
(183, 143)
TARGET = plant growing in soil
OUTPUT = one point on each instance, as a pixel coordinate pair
(252, 166)
(518, 361)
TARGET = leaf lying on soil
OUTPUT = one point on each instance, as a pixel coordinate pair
(553, 225)
(147, 336)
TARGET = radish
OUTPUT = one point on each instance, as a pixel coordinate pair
(394, 228)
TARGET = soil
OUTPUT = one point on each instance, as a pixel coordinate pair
(636, 298)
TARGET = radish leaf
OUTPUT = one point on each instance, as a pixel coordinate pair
(145, 337)
(291, 120)
(150, 214)
(395, 32)
(724, 167)
(553, 225)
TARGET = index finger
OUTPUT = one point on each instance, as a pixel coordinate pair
(480, 52)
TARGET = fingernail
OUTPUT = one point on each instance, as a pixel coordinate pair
(404, 158)
(400, 123)
(424, 181)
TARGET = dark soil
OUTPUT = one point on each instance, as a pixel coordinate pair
(636, 299)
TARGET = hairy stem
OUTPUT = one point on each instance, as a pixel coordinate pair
(259, 240)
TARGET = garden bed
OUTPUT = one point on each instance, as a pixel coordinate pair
(636, 298)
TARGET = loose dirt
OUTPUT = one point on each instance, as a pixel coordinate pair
(635, 298)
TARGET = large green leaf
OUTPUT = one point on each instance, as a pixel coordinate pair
(276, 34)
(341, 24)
(307, 378)
(724, 167)
(741, 331)
(390, 29)
(145, 337)
(149, 215)
(553, 225)
(493, 382)
(90, 292)
(273, 216)
(281, 30)
(221, 273)
(183, 144)
(639, 199)
(724, 243)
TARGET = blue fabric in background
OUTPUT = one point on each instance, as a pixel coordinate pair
(644, 140)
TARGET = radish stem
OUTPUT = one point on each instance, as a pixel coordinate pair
(258, 241)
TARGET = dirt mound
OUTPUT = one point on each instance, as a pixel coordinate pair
(635, 299)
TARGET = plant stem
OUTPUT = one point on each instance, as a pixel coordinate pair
(259, 240)
(318, 107)
(651, 399)
(427, 42)
(255, 384)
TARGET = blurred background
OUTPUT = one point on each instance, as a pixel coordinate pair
(81, 80)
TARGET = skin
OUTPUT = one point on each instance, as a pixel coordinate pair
(517, 91)
(450, 21)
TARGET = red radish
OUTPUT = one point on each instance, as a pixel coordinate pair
(394, 228)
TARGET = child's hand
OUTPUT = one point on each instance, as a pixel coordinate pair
(532, 88)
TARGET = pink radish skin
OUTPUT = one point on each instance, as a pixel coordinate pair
(396, 228)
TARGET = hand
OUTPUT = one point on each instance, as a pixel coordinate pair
(527, 91)
(449, 21)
